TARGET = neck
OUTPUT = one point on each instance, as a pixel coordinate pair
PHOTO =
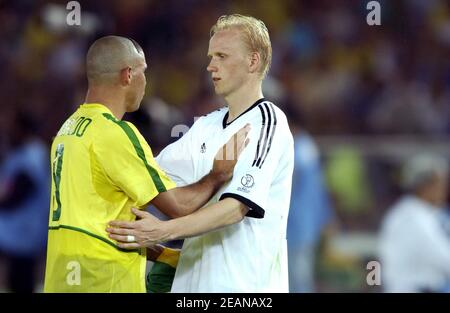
(429, 198)
(110, 97)
(243, 98)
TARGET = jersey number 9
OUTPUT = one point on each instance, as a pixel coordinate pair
(57, 167)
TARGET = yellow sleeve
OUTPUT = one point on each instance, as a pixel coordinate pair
(128, 162)
(169, 256)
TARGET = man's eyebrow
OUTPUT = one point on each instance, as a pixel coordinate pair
(209, 55)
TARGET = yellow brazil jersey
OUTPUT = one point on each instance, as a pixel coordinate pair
(101, 168)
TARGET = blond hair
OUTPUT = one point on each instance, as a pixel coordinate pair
(255, 33)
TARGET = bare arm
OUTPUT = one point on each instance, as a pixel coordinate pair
(182, 201)
(150, 230)
(223, 213)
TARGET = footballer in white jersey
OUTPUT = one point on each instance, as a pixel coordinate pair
(249, 256)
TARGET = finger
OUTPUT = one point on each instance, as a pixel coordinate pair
(230, 149)
(238, 142)
(248, 128)
(242, 144)
(239, 137)
(139, 213)
(129, 245)
(239, 151)
(120, 231)
(122, 224)
(242, 139)
(228, 153)
(245, 130)
(242, 147)
(119, 238)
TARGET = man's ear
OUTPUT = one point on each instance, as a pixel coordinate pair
(254, 62)
(125, 76)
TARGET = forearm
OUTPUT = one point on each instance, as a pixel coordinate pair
(218, 215)
(182, 201)
(194, 196)
(149, 230)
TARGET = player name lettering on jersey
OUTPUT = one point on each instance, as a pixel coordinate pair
(75, 126)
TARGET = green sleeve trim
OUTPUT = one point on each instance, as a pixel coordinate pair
(160, 278)
(140, 152)
(112, 244)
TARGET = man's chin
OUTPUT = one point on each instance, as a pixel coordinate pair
(218, 91)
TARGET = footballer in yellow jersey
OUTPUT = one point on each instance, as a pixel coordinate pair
(101, 168)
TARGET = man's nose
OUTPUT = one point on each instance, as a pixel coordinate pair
(211, 67)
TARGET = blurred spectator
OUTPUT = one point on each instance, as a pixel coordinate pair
(414, 245)
(347, 178)
(409, 108)
(24, 190)
(309, 214)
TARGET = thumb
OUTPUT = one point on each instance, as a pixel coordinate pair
(139, 213)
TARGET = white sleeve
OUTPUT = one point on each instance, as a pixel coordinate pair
(435, 245)
(176, 160)
(255, 170)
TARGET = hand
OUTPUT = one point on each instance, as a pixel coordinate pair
(227, 156)
(147, 231)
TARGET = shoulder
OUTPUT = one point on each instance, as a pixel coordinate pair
(281, 118)
(270, 137)
(408, 211)
(272, 119)
(115, 130)
(268, 112)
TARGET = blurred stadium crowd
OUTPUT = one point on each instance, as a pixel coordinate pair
(360, 98)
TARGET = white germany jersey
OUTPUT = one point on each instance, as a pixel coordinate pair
(249, 256)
